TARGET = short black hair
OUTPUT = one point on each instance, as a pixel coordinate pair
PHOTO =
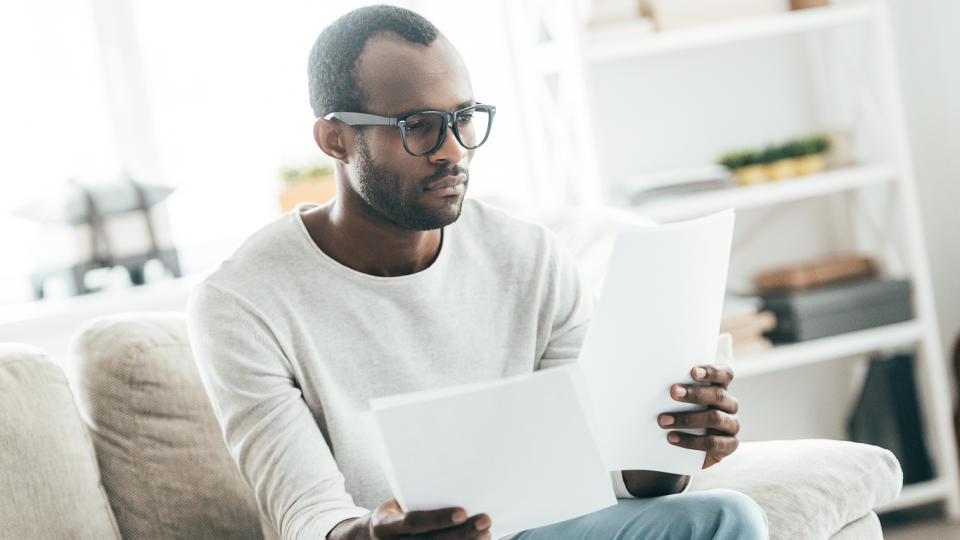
(333, 59)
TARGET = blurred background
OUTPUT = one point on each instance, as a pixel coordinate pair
(143, 141)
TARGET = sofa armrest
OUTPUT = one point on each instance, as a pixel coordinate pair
(808, 488)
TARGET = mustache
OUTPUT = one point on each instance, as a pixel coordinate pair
(456, 170)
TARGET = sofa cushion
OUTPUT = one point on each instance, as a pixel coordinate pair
(808, 488)
(49, 481)
(164, 464)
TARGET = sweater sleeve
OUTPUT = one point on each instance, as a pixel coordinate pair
(267, 426)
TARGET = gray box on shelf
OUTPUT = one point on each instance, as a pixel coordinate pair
(838, 308)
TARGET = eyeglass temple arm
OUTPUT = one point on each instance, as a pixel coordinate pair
(361, 119)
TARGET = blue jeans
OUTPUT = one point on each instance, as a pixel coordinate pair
(713, 514)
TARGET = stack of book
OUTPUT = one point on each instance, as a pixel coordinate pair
(746, 323)
(832, 296)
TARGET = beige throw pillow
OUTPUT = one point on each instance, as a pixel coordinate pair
(162, 456)
(49, 481)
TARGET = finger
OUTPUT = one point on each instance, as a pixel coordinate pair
(420, 521)
(717, 445)
(723, 422)
(710, 395)
(721, 374)
(475, 528)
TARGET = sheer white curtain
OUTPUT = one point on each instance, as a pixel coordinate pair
(55, 123)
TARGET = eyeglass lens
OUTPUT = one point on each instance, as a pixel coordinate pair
(422, 132)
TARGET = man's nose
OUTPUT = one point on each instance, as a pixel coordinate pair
(451, 150)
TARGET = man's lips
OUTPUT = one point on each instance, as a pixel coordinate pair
(446, 182)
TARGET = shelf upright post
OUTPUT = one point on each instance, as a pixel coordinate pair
(551, 76)
(934, 369)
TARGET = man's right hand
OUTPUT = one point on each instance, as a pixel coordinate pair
(390, 521)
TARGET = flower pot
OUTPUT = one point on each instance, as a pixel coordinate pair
(750, 175)
(811, 164)
(782, 168)
(318, 189)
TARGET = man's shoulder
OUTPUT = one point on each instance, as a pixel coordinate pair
(259, 257)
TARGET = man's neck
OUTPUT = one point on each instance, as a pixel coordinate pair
(368, 243)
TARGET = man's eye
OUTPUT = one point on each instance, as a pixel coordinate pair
(413, 126)
(465, 118)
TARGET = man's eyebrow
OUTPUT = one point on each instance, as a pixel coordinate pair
(408, 112)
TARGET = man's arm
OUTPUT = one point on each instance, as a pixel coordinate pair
(268, 428)
(274, 439)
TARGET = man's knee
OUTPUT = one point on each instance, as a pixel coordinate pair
(736, 515)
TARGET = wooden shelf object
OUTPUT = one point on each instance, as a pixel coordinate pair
(611, 45)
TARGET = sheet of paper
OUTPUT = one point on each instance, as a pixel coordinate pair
(658, 316)
(519, 449)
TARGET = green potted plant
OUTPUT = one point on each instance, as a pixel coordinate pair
(813, 160)
(745, 166)
(313, 183)
(779, 161)
(797, 157)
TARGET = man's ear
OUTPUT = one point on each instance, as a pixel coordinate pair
(332, 138)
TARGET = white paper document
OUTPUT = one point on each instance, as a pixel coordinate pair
(519, 449)
(657, 317)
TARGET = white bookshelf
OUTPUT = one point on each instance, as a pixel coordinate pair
(669, 208)
(806, 353)
(623, 44)
(555, 63)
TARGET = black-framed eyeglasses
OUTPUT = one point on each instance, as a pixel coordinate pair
(423, 132)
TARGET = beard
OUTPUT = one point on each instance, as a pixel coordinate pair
(398, 201)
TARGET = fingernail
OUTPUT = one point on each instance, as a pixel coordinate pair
(482, 524)
(673, 437)
(666, 420)
(699, 373)
(458, 516)
(680, 391)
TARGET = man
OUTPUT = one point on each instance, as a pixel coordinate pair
(400, 285)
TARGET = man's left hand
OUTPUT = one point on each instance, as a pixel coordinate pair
(719, 419)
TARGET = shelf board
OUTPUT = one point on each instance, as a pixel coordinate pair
(611, 45)
(917, 494)
(783, 357)
(765, 194)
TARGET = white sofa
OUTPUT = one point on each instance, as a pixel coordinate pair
(131, 449)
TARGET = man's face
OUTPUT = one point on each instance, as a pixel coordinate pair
(399, 77)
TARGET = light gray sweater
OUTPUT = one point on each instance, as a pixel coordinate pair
(291, 346)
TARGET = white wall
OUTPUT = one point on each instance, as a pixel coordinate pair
(928, 51)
